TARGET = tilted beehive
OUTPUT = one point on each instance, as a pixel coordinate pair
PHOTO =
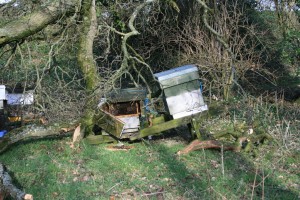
(181, 89)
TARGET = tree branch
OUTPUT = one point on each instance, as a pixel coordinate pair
(126, 57)
(36, 21)
(219, 36)
(34, 132)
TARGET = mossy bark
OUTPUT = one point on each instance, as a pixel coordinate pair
(7, 187)
(240, 135)
(32, 132)
(36, 21)
(88, 31)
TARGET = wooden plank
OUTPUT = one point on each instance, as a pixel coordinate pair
(109, 123)
(156, 129)
(129, 115)
(158, 120)
(99, 139)
(161, 127)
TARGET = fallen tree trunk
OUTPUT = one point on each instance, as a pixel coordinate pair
(22, 134)
(6, 187)
(34, 132)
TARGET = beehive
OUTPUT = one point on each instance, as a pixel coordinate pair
(181, 89)
(2, 92)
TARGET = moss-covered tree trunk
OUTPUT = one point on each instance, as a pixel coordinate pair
(88, 31)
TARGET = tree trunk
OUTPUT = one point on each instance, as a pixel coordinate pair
(86, 62)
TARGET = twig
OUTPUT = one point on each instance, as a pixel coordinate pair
(222, 159)
(150, 194)
(114, 186)
(126, 55)
(254, 182)
(263, 185)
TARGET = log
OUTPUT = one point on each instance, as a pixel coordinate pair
(7, 187)
(237, 146)
(33, 131)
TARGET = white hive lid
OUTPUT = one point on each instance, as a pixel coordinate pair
(175, 72)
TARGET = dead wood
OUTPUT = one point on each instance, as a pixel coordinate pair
(119, 148)
(22, 134)
(207, 144)
(237, 146)
(31, 132)
(7, 187)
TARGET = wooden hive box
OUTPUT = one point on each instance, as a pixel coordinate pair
(181, 89)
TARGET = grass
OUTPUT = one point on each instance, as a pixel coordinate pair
(50, 169)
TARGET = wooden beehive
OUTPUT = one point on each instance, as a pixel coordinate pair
(181, 89)
(121, 111)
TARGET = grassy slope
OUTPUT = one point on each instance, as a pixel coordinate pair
(51, 170)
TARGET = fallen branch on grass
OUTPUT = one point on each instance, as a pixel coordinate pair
(208, 144)
(22, 134)
(34, 132)
(7, 188)
(241, 138)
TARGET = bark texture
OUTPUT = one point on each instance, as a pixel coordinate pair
(208, 144)
(7, 187)
(34, 132)
(86, 62)
(36, 21)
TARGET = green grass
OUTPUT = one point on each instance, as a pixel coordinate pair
(49, 169)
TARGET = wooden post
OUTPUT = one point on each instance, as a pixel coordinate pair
(195, 128)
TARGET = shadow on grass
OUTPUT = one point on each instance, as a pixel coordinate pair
(30, 140)
(134, 173)
(199, 176)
